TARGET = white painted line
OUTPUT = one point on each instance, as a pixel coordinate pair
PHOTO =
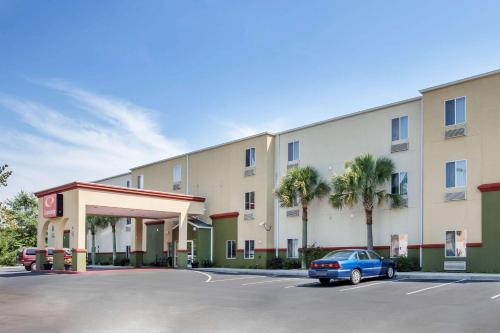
(364, 286)
(294, 286)
(496, 296)
(433, 287)
(238, 278)
(267, 281)
(206, 274)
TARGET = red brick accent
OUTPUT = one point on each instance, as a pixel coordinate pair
(79, 250)
(138, 252)
(154, 222)
(224, 215)
(59, 251)
(489, 187)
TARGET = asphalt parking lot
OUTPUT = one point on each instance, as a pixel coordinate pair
(161, 300)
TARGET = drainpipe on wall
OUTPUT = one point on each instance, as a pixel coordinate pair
(276, 204)
(187, 173)
(421, 179)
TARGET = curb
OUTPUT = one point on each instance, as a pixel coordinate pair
(303, 273)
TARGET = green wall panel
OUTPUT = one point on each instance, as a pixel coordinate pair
(154, 244)
(485, 259)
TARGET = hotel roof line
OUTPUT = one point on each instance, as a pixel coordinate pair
(204, 149)
(111, 177)
(452, 83)
(409, 100)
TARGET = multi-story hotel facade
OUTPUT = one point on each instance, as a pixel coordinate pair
(444, 147)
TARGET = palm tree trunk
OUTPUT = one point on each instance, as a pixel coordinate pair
(304, 237)
(369, 231)
(93, 247)
(113, 229)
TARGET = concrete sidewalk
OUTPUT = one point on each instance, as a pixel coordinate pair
(303, 273)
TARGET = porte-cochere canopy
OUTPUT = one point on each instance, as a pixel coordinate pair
(66, 207)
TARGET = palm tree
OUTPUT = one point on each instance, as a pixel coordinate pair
(301, 185)
(363, 180)
(101, 222)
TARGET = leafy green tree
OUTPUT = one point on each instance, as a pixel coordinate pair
(363, 181)
(4, 174)
(301, 186)
(101, 222)
(18, 225)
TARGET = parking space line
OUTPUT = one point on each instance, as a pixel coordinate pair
(364, 286)
(206, 274)
(433, 287)
(496, 296)
(238, 278)
(267, 281)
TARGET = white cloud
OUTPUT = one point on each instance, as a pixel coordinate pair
(59, 147)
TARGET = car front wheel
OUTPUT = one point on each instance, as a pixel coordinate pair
(324, 282)
(28, 268)
(355, 276)
(390, 272)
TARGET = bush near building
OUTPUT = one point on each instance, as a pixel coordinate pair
(18, 223)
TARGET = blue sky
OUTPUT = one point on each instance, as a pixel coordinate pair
(91, 88)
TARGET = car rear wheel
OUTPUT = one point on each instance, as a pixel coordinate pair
(324, 281)
(33, 267)
(390, 272)
(355, 276)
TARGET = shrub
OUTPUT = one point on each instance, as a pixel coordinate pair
(275, 263)
(407, 264)
(291, 264)
(314, 253)
(207, 263)
(122, 262)
(8, 259)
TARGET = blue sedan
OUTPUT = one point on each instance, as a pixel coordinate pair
(352, 265)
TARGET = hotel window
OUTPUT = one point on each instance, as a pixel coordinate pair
(249, 249)
(456, 243)
(293, 151)
(230, 249)
(129, 220)
(140, 181)
(249, 200)
(400, 128)
(292, 250)
(399, 183)
(295, 201)
(455, 111)
(456, 174)
(250, 157)
(177, 174)
(128, 183)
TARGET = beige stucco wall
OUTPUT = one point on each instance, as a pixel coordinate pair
(218, 175)
(104, 237)
(480, 149)
(326, 147)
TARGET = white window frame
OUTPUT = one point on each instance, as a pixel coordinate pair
(250, 209)
(297, 248)
(176, 168)
(140, 182)
(254, 157)
(251, 254)
(295, 158)
(466, 172)
(399, 183)
(233, 244)
(399, 127)
(465, 110)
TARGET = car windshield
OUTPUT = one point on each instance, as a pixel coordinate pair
(339, 255)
